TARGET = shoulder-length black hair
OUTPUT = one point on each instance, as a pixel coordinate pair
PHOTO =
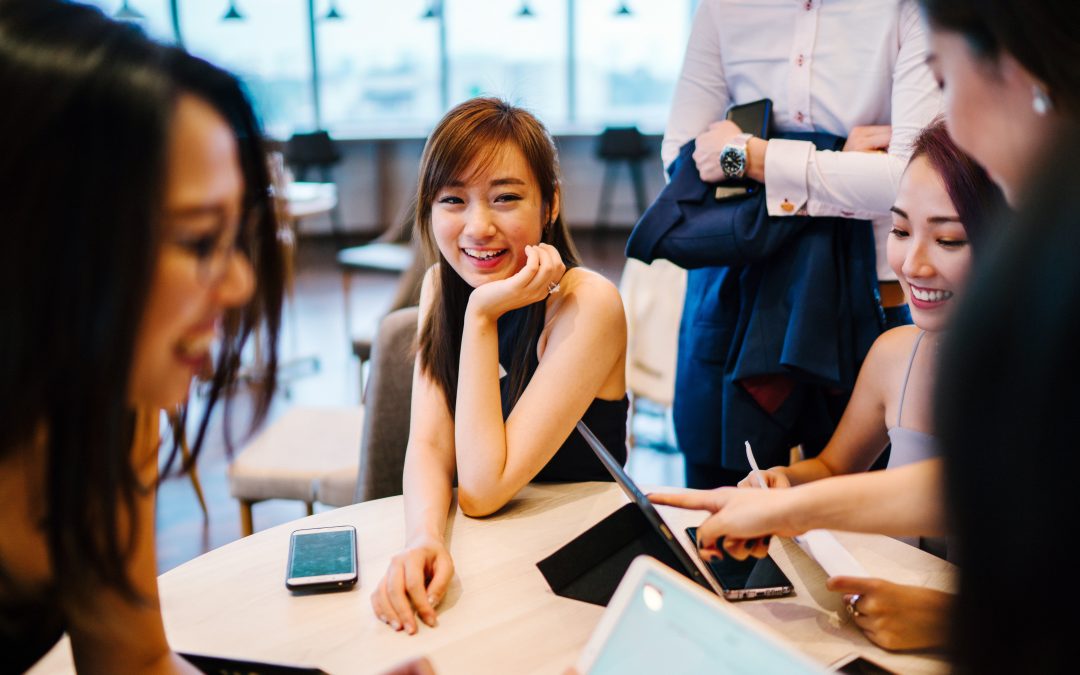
(82, 181)
(472, 135)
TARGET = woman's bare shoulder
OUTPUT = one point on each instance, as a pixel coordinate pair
(891, 350)
(589, 287)
(589, 296)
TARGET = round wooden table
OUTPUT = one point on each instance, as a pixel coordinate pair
(499, 615)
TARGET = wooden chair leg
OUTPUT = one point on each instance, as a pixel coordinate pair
(346, 293)
(193, 474)
(199, 494)
(246, 527)
(310, 508)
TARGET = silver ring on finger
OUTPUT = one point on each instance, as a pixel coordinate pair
(852, 606)
(553, 287)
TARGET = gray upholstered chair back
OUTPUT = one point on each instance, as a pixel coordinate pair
(386, 407)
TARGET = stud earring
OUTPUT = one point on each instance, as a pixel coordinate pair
(1040, 100)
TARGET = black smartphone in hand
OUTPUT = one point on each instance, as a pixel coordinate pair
(746, 579)
(753, 118)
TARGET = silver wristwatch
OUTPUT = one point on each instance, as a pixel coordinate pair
(733, 156)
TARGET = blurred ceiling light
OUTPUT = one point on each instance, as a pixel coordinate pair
(232, 13)
(624, 10)
(433, 11)
(333, 14)
(128, 13)
(525, 10)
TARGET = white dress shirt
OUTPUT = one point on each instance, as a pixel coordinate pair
(827, 65)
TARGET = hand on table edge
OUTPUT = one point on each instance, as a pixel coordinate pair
(415, 582)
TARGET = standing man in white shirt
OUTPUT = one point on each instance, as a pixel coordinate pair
(852, 68)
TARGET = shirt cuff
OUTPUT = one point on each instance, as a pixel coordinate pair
(786, 190)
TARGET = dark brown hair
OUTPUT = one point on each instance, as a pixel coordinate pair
(978, 200)
(82, 181)
(470, 137)
(1041, 36)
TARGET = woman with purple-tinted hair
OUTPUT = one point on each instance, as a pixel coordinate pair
(944, 204)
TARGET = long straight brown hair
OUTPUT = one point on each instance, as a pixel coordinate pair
(471, 136)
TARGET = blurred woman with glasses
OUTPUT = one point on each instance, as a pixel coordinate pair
(140, 249)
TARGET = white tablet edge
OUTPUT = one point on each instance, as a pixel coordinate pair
(627, 590)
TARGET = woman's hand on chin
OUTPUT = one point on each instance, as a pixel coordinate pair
(414, 584)
(543, 269)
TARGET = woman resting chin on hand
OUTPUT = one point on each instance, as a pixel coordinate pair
(516, 344)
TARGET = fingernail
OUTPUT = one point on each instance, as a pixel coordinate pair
(411, 628)
(382, 618)
(749, 543)
(431, 600)
(395, 625)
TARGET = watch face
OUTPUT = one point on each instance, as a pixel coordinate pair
(732, 162)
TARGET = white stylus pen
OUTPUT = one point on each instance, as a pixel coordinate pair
(754, 467)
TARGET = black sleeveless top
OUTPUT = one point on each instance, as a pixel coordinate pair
(575, 460)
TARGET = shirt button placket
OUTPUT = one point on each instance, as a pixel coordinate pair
(805, 33)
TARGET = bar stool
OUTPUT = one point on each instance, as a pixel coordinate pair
(316, 151)
(614, 146)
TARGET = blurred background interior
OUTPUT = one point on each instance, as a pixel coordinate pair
(349, 90)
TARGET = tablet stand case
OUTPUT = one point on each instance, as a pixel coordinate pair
(590, 567)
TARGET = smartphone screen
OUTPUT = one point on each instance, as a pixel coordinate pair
(322, 558)
(747, 579)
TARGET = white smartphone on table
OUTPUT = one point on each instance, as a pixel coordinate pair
(322, 559)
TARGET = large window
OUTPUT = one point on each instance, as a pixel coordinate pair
(392, 68)
(378, 67)
(268, 46)
(628, 56)
(515, 49)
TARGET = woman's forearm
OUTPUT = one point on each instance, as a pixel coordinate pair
(479, 429)
(806, 471)
(427, 494)
(907, 501)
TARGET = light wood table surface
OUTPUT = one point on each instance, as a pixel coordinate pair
(499, 615)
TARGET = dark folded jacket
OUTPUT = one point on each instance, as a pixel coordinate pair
(779, 314)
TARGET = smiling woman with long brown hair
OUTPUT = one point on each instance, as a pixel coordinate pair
(517, 343)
